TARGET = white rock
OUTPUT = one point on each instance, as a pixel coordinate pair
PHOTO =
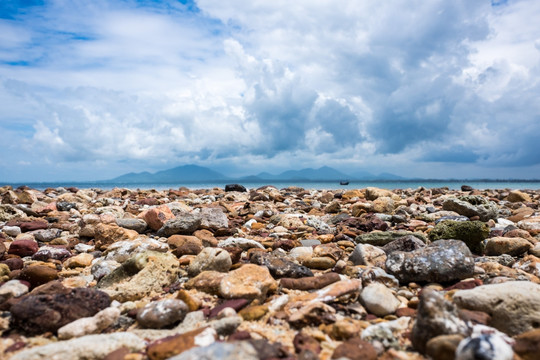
(11, 230)
(485, 343)
(379, 300)
(11, 289)
(242, 243)
(89, 325)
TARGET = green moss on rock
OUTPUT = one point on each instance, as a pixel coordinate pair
(471, 233)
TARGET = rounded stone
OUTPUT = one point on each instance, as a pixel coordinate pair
(215, 259)
(23, 247)
(162, 313)
(38, 274)
(379, 300)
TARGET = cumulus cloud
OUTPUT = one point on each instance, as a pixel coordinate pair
(393, 86)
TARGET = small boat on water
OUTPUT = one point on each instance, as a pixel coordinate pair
(346, 182)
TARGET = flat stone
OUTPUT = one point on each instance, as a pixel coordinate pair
(138, 225)
(184, 224)
(23, 248)
(90, 347)
(50, 252)
(12, 289)
(518, 196)
(280, 267)
(80, 260)
(310, 283)
(47, 235)
(244, 244)
(381, 238)
(442, 261)
(443, 347)
(89, 325)
(472, 205)
(213, 218)
(36, 314)
(514, 306)
(355, 349)
(406, 243)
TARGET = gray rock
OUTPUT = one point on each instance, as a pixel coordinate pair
(406, 243)
(11, 230)
(505, 260)
(139, 225)
(472, 205)
(381, 238)
(184, 224)
(435, 316)
(210, 259)
(159, 314)
(310, 242)
(214, 218)
(241, 243)
(379, 300)
(442, 261)
(90, 347)
(514, 306)
(365, 254)
(220, 350)
(47, 235)
(451, 217)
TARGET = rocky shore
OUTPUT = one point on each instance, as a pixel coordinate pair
(269, 273)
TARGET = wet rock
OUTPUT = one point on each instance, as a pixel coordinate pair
(235, 187)
(514, 306)
(138, 225)
(90, 347)
(355, 349)
(442, 261)
(89, 325)
(248, 282)
(472, 205)
(504, 245)
(146, 273)
(379, 300)
(527, 345)
(406, 243)
(310, 283)
(435, 316)
(162, 313)
(210, 259)
(471, 233)
(23, 248)
(220, 350)
(169, 346)
(36, 314)
(184, 224)
(381, 238)
(280, 267)
(38, 274)
(365, 254)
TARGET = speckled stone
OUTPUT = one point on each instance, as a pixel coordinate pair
(162, 313)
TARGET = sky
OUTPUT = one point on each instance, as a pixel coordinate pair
(90, 90)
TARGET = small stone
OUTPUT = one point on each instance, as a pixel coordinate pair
(244, 244)
(355, 349)
(89, 325)
(514, 246)
(158, 216)
(162, 313)
(47, 235)
(11, 230)
(249, 281)
(210, 259)
(303, 342)
(49, 252)
(23, 248)
(167, 347)
(38, 274)
(207, 281)
(106, 234)
(184, 224)
(138, 225)
(379, 300)
(310, 283)
(213, 218)
(518, 196)
(33, 225)
(81, 260)
(333, 207)
(90, 347)
(514, 306)
(443, 347)
(12, 289)
(320, 263)
(37, 314)
(435, 316)
(443, 260)
(235, 187)
(220, 350)
(365, 254)
(280, 267)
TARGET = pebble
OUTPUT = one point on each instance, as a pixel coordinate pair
(249, 281)
(184, 224)
(23, 248)
(210, 259)
(514, 246)
(89, 325)
(162, 313)
(379, 300)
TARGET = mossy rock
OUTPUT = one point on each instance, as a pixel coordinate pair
(471, 233)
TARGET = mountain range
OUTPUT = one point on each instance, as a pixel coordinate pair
(195, 173)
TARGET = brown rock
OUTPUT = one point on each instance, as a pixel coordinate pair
(355, 349)
(320, 263)
(81, 260)
(176, 241)
(304, 342)
(207, 281)
(108, 234)
(172, 345)
(505, 245)
(249, 282)
(158, 216)
(443, 347)
(518, 196)
(38, 274)
(206, 237)
(34, 225)
(23, 248)
(527, 345)
(520, 214)
(310, 283)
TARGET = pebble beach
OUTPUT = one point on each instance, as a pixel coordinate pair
(268, 273)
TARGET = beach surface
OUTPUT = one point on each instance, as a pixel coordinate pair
(268, 273)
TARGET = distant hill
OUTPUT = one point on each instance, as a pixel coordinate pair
(184, 173)
(195, 173)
